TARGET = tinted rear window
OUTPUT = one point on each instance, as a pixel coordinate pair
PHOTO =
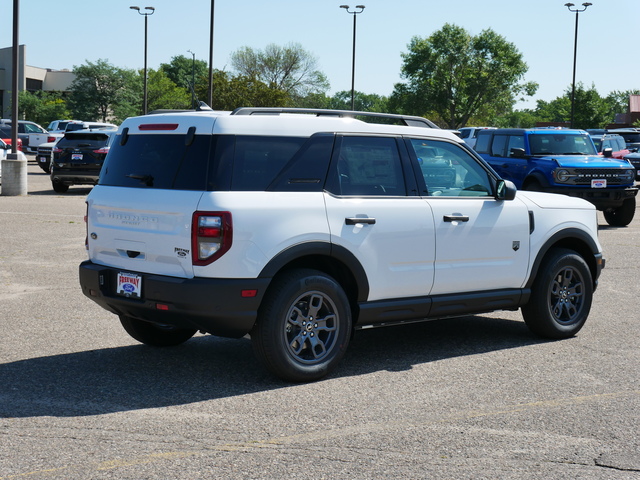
(83, 140)
(158, 161)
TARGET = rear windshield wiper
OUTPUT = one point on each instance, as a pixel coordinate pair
(146, 179)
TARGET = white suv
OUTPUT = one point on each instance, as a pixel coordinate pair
(299, 226)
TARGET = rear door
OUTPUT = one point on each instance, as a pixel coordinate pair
(375, 214)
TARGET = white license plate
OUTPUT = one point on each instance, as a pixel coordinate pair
(76, 156)
(599, 183)
(129, 285)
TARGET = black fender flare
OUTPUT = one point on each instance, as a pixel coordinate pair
(569, 238)
(320, 249)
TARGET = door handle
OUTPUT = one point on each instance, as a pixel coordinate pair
(356, 220)
(455, 218)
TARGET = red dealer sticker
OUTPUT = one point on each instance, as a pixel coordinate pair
(129, 285)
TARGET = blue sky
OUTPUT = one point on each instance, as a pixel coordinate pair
(62, 34)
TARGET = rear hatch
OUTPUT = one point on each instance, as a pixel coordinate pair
(81, 152)
(139, 215)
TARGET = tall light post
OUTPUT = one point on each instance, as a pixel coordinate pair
(151, 11)
(193, 80)
(359, 9)
(575, 54)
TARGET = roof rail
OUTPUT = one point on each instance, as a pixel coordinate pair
(408, 120)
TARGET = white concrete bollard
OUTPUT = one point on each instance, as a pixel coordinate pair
(14, 175)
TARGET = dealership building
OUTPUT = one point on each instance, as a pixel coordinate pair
(30, 78)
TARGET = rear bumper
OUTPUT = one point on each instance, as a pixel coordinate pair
(216, 306)
(77, 177)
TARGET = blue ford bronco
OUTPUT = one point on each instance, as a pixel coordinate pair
(562, 161)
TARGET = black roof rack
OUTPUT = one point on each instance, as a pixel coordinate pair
(407, 120)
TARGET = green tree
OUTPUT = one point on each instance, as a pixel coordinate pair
(163, 93)
(290, 69)
(591, 110)
(362, 101)
(233, 91)
(102, 91)
(42, 107)
(453, 76)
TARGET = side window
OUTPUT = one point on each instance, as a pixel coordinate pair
(464, 132)
(484, 140)
(257, 160)
(498, 145)
(450, 171)
(367, 166)
(515, 141)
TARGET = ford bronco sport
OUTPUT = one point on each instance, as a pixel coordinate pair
(298, 227)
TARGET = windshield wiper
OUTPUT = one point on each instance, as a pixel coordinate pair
(146, 179)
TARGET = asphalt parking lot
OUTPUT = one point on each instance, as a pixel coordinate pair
(469, 398)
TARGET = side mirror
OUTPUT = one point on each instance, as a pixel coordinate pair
(505, 190)
(517, 152)
(608, 152)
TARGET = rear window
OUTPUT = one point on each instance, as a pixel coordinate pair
(218, 162)
(83, 140)
(158, 161)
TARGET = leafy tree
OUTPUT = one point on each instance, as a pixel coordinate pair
(102, 91)
(362, 101)
(233, 91)
(454, 76)
(184, 71)
(42, 107)
(290, 69)
(591, 110)
(164, 93)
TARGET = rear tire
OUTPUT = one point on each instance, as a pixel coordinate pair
(60, 187)
(561, 295)
(621, 216)
(156, 335)
(303, 326)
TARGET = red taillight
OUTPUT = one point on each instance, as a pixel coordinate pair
(51, 139)
(56, 150)
(102, 150)
(211, 236)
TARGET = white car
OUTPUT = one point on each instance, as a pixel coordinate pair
(299, 226)
(470, 134)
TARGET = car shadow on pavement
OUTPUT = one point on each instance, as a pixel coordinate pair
(135, 377)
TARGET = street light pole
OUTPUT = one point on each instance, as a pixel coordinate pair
(193, 80)
(575, 54)
(151, 11)
(359, 9)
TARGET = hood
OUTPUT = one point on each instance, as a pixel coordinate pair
(554, 200)
(579, 161)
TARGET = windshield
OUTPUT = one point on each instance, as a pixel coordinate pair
(561, 144)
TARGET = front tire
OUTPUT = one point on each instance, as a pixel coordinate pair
(303, 326)
(561, 295)
(621, 216)
(156, 335)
